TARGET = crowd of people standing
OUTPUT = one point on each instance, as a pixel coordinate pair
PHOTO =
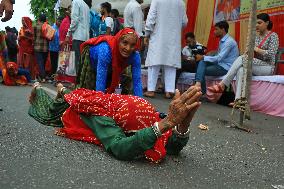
(30, 50)
(104, 50)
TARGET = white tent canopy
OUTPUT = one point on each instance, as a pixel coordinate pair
(117, 4)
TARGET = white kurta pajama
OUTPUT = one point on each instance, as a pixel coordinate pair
(164, 25)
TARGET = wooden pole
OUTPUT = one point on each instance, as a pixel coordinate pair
(243, 104)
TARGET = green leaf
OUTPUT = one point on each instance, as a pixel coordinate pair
(43, 6)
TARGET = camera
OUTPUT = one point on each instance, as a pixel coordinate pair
(198, 49)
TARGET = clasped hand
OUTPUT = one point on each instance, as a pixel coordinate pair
(182, 109)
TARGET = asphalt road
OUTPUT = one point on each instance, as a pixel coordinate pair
(32, 157)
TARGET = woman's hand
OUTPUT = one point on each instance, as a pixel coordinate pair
(183, 127)
(256, 49)
(66, 41)
(146, 41)
(181, 109)
(259, 50)
(199, 57)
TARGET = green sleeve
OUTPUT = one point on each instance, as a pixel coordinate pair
(66, 91)
(116, 142)
(175, 144)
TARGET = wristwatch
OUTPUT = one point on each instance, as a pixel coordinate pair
(12, 1)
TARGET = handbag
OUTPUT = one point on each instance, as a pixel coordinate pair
(47, 31)
(66, 62)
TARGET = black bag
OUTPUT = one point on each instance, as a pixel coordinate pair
(227, 97)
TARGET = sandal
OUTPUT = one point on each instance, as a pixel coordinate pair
(169, 95)
(216, 88)
(149, 94)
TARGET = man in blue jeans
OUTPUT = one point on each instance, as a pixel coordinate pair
(41, 47)
(219, 64)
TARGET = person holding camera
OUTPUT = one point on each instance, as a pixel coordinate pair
(191, 49)
(219, 64)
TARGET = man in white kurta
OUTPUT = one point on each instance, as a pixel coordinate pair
(163, 29)
(133, 16)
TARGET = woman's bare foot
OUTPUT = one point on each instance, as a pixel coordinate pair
(33, 92)
(149, 94)
(169, 95)
(59, 88)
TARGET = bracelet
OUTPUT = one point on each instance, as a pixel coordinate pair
(181, 135)
(156, 130)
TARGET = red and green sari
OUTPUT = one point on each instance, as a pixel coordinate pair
(121, 124)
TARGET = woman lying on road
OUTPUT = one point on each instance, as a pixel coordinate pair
(126, 126)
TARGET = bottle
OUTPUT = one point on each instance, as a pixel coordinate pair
(118, 89)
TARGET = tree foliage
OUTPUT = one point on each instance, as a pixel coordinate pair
(43, 6)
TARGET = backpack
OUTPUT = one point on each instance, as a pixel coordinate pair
(47, 31)
(97, 25)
